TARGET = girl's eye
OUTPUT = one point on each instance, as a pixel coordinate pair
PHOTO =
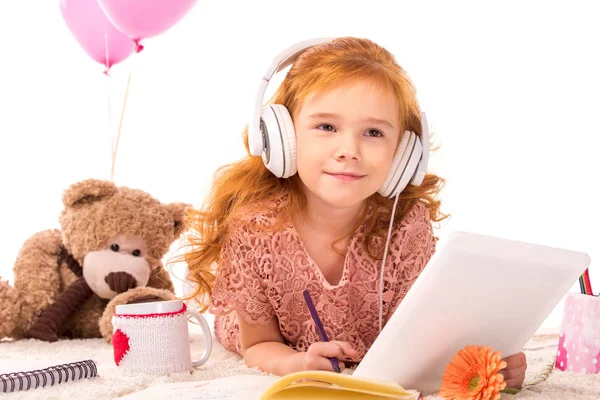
(374, 133)
(326, 127)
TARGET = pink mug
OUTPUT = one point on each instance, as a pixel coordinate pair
(579, 340)
(153, 337)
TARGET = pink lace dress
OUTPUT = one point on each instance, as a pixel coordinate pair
(263, 274)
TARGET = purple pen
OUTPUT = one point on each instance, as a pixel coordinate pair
(319, 326)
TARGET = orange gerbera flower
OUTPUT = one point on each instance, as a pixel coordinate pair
(473, 375)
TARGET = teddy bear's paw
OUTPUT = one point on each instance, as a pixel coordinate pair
(137, 295)
(43, 332)
(10, 309)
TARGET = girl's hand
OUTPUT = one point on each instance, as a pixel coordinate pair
(317, 355)
(514, 373)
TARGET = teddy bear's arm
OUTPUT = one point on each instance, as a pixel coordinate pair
(37, 277)
(51, 322)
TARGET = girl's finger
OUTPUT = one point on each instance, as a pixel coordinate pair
(316, 362)
(515, 360)
(347, 348)
(514, 372)
(326, 349)
(515, 383)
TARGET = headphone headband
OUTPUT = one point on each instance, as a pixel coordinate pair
(281, 61)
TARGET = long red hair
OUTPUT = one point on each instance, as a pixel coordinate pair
(247, 182)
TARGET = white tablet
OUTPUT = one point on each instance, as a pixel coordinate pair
(476, 290)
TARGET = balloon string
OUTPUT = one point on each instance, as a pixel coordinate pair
(116, 145)
(109, 91)
(110, 119)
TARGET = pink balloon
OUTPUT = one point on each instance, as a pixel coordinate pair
(140, 19)
(95, 33)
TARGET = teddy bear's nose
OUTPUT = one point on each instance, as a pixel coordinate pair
(120, 281)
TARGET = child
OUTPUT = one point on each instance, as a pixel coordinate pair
(274, 233)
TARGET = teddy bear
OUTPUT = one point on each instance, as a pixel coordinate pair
(108, 251)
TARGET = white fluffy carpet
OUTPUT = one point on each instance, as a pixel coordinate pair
(111, 382)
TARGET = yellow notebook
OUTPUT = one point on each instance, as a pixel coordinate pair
(332, 385)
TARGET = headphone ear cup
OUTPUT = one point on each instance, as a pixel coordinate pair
(404, 165)
(400, 150)
(279, 155)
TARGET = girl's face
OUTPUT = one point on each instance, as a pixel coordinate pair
(346, 138)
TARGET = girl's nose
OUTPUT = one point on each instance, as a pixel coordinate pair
(347, 147)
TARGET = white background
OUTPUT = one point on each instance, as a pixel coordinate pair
(511, 90)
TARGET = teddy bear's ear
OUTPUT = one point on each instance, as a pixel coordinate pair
(178, 211)
(87, 191)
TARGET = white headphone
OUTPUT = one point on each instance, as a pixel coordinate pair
(271, 134)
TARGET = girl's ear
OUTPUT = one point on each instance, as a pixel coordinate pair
(178, 211)
(87, 191)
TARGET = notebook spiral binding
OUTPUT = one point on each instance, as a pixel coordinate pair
(17, 381)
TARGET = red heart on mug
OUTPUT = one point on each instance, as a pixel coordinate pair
(120, 345)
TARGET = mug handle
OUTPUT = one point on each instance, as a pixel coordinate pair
(205, 333)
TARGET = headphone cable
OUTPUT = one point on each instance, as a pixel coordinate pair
(387, 244)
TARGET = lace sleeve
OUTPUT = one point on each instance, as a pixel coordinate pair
(240, 284)
(414, 247)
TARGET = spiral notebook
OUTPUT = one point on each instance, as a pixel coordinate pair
(18, 375)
